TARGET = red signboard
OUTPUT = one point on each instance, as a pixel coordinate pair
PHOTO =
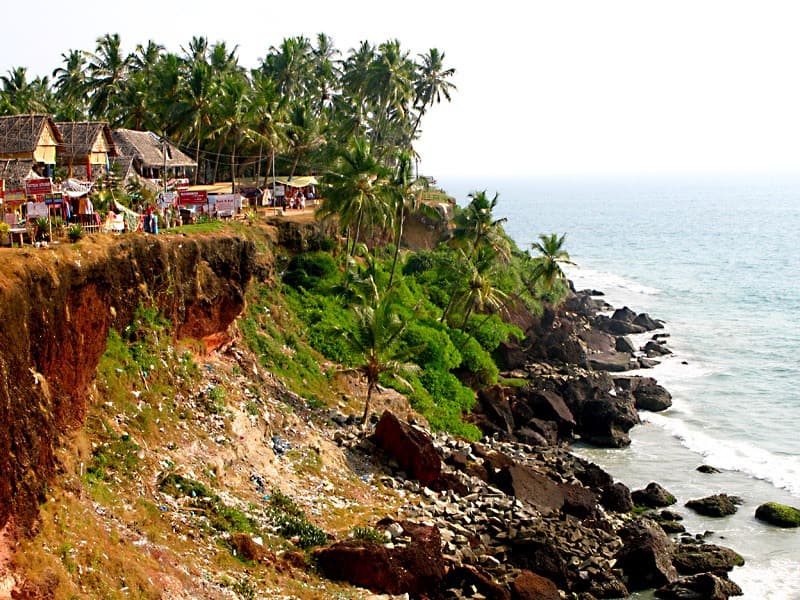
(187, 197)
(16, 197)
(36, 187)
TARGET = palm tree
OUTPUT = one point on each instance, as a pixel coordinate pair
(547, 270)
(194, 106)
(356, 189)
(70, 85)
(475, 226)
(22, 96)
(233, 116)
(431, 83)
(304, 132)
(481, 292)
(390, 80)
(107, 69)
(376, 339)
(268, 118)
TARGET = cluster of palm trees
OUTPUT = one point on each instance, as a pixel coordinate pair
(301, 104)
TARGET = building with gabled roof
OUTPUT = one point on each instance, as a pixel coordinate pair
(88, 148)
(151, 154)
(34, 138)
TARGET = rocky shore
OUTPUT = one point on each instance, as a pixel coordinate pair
(518, 515)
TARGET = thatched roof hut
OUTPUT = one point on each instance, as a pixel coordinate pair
(88, 145)
(30, 137)
(148, 152)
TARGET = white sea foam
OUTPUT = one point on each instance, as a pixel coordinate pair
(611, 284)
(782, 471)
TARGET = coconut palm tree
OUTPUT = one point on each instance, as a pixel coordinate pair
(547, 271)
(107, 69)
(70, 86)
(22, 96)
(194, 107)
(356, 190)
(233, 116)
(431, 83)
(376, 340)
(476, 226)
(480, 292)
(390, 81)
(304, 132)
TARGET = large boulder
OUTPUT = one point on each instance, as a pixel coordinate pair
(616, 326)
(624, 314)
(579, 501)
(624, 344)
(718, 505)
(654, 349)
(653, 496)
(704, 586)
(646, 556)
(412, 448)
(529, 486)
(530, 586)
(494, 404)
(644, 320)
(647, 393)
(416, 569)
(541, 557)
(617, 498)
(692, 558)
(606, 420)
(778, 514)
(550, 406)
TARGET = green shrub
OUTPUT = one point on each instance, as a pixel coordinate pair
(308, 269)
(368, 534)
(436, 349)
(475, 359)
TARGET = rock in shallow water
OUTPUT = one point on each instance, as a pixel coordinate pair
(778, 514)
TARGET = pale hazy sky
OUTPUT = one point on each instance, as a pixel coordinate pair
(544, 88)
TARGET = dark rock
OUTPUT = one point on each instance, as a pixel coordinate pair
(416, 569)
(624, 314)
(778, 514)
(708, 469)
(690, 559)
(549, 406)
(647, 363)
(624, 345)
(613, 363)
(617, 498)
(718, 505)
(648, 394)
(412, 448)
(705, 586)
(615, 326)
(526, 435)
(646, 556)
(653, 496)
(295, 559)
(579, 501)
(511, 356)
(670, 515)
(547, 429)
(653, 349)
(530, 487)
(606, 420)
(590, 475)
(467, 578)
(494, 404)
(529, 586)
(540, 557)
(671, 526)
(647, 322)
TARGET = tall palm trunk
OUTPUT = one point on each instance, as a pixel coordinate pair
(397, 241)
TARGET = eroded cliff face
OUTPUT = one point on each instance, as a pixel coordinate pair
(56, 309)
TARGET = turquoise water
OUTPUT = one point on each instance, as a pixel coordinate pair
(719, 261)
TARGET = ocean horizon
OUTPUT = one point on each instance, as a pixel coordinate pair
(717, 259)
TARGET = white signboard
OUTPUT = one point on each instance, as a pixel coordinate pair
(226, 205)
(166, 199)
(37, 209)
(280, 191)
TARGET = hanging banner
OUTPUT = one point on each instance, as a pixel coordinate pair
(36, 187)
(186, 197)
(2, 189)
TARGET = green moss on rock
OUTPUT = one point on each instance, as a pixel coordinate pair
(778, 514)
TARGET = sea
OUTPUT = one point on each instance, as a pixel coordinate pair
(717, 258)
